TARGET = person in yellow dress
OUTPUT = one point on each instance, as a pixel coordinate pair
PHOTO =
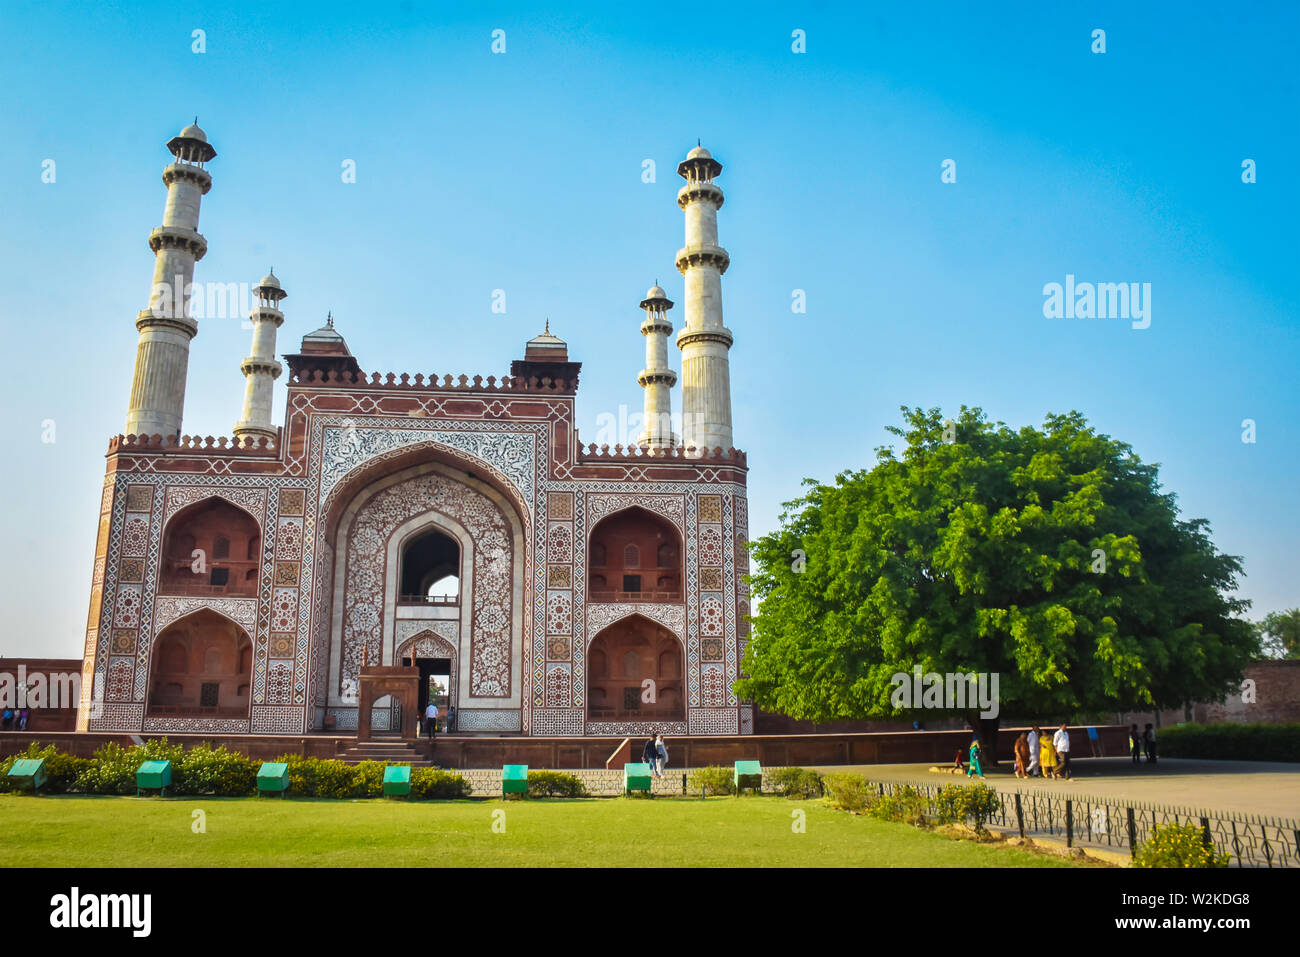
(1047, 757)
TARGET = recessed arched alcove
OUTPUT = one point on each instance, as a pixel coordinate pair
(635, 673)
(635, 555)
(210, 548)
(202, 665)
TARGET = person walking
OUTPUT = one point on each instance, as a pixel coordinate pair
(1061, 742)
(1021, 751)
(975, 754)
(431, 720)
(1149, 742)
(22, 719)
(1034, 752)
(1047, 756)
(451, 718)
(661, 755)
(649, 754)
(1135, 743)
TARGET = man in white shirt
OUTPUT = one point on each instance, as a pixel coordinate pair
(431, 719)
(1061, 741)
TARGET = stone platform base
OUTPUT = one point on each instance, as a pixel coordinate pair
(487, 752)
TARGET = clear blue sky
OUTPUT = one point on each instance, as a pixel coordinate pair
(522, 172)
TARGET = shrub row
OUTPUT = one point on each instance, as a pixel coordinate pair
(954, 804)
(555, 784)
(1231, 742)
(1178, 845)
(204, 770)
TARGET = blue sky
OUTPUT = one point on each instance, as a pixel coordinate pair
(522, 171)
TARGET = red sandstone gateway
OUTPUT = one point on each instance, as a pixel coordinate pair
(401, 537)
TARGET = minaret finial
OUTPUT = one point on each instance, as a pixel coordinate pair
(329, 319)
(548, 326)
(697, 139)
(196, 119)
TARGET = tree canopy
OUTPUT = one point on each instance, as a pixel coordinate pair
(1280, 632)
(1051, 557)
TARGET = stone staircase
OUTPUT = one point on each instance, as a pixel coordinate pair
(390, 750)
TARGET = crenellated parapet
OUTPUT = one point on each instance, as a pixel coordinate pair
(309, 377)
(635, 453)
(170, 444)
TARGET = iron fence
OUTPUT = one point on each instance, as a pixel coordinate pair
(1252, 840)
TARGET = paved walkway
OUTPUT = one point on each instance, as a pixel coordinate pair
(1247, 787)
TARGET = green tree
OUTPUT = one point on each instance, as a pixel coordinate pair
(1280, 632)
(1050, 557)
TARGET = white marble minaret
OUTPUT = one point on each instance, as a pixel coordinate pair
(260, 368)
(656, 378)
(163, 354)
(704, 340)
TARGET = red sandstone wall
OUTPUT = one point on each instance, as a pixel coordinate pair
(45, 719)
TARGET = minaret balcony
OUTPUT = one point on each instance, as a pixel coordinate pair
(714, 256)
(184, 172)
(688, 335)
(652, 376)
(700, 193)
(178, 237)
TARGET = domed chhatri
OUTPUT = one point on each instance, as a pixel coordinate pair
(191, 145)
(268, 282)
(699, 166)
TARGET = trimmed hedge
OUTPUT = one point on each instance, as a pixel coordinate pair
(712, 780)
(797, 783)
(1231, 742)
(204, 770)
(555, 784)
(957, 802)
(850, 792)
(61, 769)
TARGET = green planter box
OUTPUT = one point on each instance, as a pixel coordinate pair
(514, 779)
(273, 777)
(636, 777)
(397, 779)
(153, 775)
(29, 771)
(748, 774)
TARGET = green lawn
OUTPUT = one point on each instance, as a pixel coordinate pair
(84, 831)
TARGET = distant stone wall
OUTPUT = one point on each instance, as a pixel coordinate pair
(1276, 701)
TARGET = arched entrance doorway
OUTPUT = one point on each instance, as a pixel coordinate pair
(634, 673)
(435, 657)
(202, 665)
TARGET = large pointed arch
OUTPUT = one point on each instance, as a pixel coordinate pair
(636, 672)
(201, 665)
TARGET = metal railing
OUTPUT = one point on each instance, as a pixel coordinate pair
(428, 600)
(1252, 840)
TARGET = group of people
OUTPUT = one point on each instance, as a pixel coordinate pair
(1038, 755)
(655, 754)
(431, 719)
(15, 720)
(1146, 741)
